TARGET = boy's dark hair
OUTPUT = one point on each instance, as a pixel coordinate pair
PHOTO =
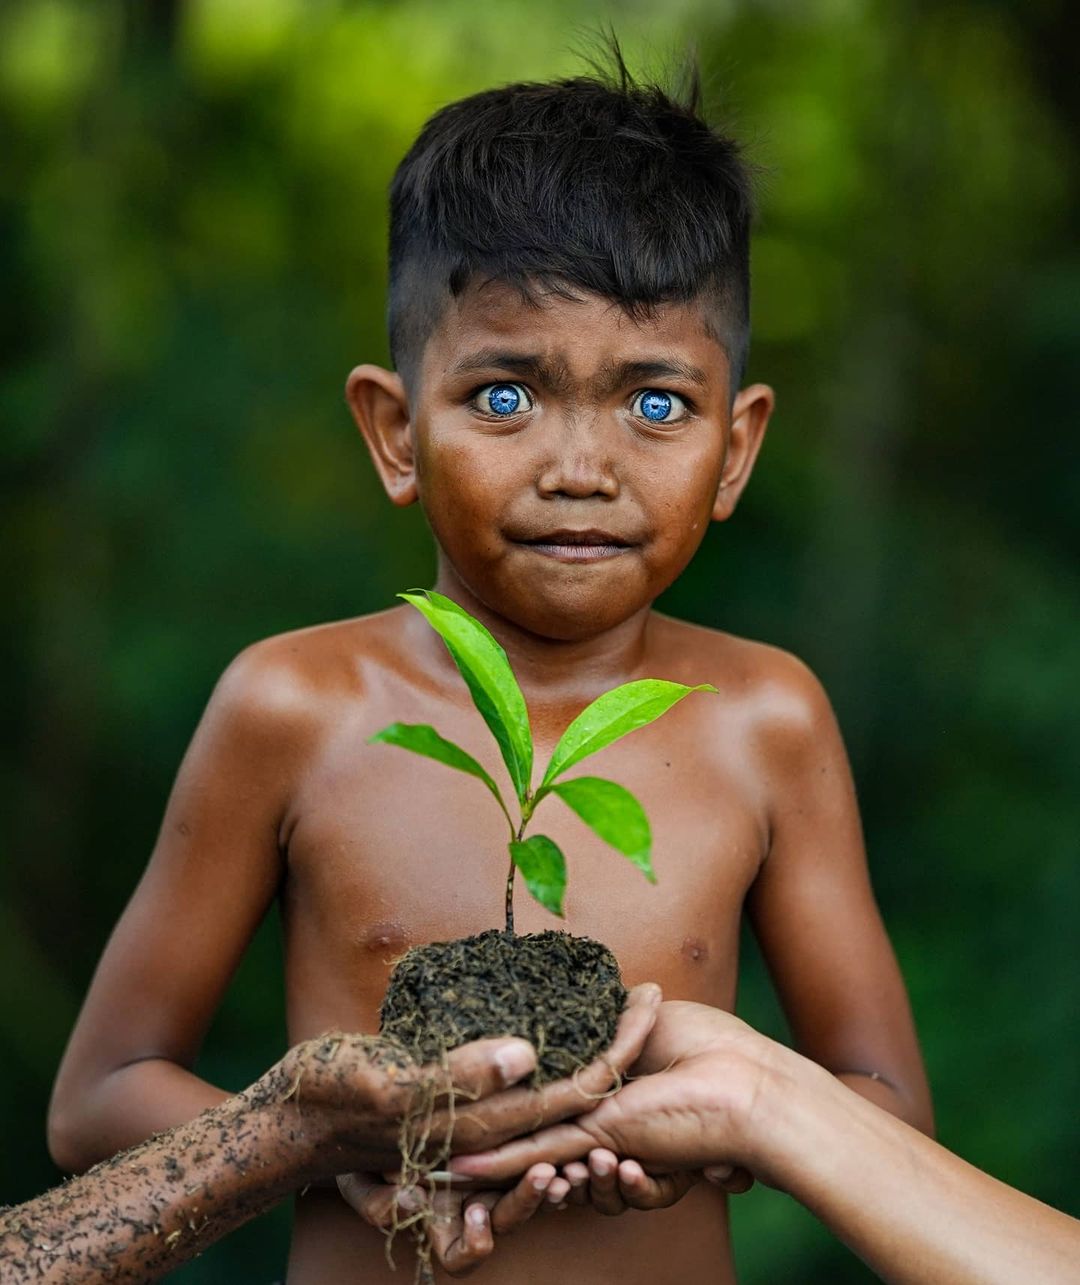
(596, 184)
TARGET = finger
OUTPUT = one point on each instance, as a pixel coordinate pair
(730, 1178)
(473, 1071)
(604, 1191)
(486, 1066)
(461, 1238)
(557, 1145)
(525, 1111)
(641, 1190)
(509, 1210)
(378, 1203)
(635, 1023)
(577, 1175)
(557, 1192)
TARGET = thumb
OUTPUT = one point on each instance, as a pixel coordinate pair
(486, 1066)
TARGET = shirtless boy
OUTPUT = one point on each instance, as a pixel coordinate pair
(569, 303)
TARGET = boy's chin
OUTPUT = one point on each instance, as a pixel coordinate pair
(573, 615)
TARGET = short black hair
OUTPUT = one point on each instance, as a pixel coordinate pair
(598, 183)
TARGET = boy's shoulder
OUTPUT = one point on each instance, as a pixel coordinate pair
(772, 691)
(290, 677)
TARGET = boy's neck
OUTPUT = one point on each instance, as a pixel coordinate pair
(551, 671)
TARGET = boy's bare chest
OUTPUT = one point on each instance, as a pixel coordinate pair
(387, 850)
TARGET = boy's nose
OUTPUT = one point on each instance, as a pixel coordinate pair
(580, 466)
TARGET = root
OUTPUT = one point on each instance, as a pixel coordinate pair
(432, 1094)
(616, 1076)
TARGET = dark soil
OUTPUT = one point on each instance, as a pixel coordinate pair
(562, 993)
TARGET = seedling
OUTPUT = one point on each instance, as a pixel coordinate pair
(608, 808)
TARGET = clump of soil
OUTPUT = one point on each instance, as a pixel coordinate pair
(561, 993)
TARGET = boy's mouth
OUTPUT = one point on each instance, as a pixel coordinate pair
(576, 546)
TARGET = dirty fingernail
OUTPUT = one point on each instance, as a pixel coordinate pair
(515, 1060)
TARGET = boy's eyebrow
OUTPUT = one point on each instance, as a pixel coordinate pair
(617, 374)
(528, 365)
(613, 375)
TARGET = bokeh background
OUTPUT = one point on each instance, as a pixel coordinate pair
(192, 238)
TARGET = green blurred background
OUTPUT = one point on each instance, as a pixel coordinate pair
(192, 238)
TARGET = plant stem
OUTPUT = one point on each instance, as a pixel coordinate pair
(513, 872)
(510, 899)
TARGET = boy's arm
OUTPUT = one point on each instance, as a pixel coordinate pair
(813, 909)
(214, 870)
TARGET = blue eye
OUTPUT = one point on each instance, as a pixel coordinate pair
(659, 407)
(506, 399)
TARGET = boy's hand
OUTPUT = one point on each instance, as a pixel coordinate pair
(611, 1186)
(463, 1225)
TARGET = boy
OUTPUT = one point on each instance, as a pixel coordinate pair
(568, 316)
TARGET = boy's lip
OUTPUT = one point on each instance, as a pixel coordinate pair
(569, 545)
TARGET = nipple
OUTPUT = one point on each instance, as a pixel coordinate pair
(695, 949)
(387, 940)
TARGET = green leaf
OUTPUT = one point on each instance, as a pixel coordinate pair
(612, 715)
(422, 739)
(544, 868)
(490, 680)
(616, 816)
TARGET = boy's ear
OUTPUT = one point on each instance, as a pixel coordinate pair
(380, 406)
(749, 418)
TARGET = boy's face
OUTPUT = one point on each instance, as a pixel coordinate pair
(567, 456)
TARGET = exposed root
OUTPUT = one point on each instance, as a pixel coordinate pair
(418, 1161)
(616, 1076)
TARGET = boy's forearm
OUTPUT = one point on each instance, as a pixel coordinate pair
(124, 1108)
(144, 1212)
(874, 1088)
(913, 1211)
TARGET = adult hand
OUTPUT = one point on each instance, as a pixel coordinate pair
(717, 1095)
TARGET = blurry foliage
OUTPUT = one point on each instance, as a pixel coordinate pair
(192, 218)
